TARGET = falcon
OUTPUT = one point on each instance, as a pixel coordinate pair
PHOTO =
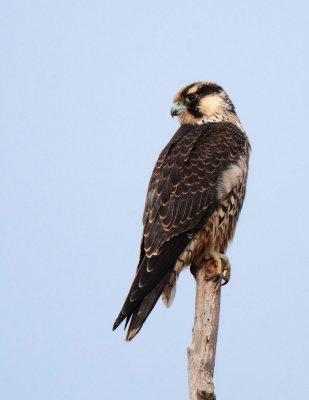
(193, 202)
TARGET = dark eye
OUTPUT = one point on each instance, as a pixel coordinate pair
(191, 97)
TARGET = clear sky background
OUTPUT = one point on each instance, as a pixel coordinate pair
(85, 93)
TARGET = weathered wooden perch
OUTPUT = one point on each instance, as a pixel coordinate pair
(201, 354)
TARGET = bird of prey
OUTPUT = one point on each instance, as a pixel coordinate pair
(194, 198)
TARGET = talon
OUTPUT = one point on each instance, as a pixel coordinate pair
(227, 272)
(223, 266)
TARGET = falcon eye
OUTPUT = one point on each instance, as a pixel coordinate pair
(191, 97)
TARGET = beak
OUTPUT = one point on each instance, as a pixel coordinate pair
(177, 109)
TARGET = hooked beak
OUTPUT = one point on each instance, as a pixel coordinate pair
(177, 109)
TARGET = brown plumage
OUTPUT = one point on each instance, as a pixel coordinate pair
(194, 197)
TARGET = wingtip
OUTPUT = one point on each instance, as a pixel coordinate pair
(121, 317)
(117, 323)
(131, 332)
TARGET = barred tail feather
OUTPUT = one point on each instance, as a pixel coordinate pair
(143, 310)
(151, 277)
(169, 290)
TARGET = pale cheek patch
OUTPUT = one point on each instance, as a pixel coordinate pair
(212, 104)
(231, 178)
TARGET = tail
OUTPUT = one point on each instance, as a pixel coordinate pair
(169, 290)
(144, 309)
(151, 277)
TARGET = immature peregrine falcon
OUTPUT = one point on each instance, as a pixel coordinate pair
(194, 198)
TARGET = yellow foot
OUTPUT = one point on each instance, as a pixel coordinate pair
(223, 265)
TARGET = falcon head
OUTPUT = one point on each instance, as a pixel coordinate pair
(202, 102)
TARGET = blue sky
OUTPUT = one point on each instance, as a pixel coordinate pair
(86, 88)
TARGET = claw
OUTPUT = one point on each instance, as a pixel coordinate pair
(223, 266)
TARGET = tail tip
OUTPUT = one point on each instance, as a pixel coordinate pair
(132, 333)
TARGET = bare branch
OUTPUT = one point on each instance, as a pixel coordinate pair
(201, 354)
